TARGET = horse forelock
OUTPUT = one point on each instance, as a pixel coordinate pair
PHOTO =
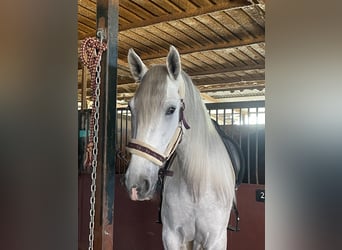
(151, 93)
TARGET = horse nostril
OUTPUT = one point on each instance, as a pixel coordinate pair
(140, 191)
(146, 185)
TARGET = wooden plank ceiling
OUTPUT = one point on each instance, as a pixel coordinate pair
(222, 43)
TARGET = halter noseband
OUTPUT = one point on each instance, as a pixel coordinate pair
(154, 155)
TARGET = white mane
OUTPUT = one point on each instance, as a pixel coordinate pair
(204, 155)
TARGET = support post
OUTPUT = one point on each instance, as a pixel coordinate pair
(108, 21)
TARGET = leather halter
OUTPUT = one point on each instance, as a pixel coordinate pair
(151, 153)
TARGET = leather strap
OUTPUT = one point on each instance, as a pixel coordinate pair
(146, 151)
(152, 154)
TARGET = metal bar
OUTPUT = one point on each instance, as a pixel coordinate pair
(217, 116)
(240, 127)
(123, 139)
(257, 147)
(224, 116)
(126, 134)
(240, 117)
(232, 116)
(126, 139)
(107, 13)
(118, 145)
(248, 149)
(121, 130)
(235, 104)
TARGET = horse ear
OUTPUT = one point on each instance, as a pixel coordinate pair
(137, 67)
(173, 63)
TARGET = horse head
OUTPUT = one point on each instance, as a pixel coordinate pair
(156, 109)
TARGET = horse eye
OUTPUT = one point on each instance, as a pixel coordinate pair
(170, 110)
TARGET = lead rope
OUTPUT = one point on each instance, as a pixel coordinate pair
(91, 53)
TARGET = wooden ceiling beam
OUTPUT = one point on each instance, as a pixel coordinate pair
(203, 49)
(127, 87)
(124, 96)
(125, 90)
(193, 13)
(227, 70)
(232, 89)
(181, 15)
(231, 86)
(204, 94)
(235, 44)
(208, 98)
(239, 70)
(242, 80)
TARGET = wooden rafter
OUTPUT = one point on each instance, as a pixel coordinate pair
(177, 16)
(221, 43)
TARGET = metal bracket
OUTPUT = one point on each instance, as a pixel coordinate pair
(101, 34)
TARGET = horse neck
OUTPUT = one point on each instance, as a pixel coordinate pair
(193, 149)
(202, 156)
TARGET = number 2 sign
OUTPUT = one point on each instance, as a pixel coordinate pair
(260, 195)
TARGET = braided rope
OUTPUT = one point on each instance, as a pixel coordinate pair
(90, 53)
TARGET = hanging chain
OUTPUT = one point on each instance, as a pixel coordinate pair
(95, 151)
(92, 50)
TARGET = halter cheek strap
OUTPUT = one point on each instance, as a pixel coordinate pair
(182, 117)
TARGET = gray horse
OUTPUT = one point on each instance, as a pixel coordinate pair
(170, 119)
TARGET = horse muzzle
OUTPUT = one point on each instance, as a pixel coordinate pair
(139, 190)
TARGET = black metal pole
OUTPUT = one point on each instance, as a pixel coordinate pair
(108, 23)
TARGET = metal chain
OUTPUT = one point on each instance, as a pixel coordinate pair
(95, 151)
(98, 47)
